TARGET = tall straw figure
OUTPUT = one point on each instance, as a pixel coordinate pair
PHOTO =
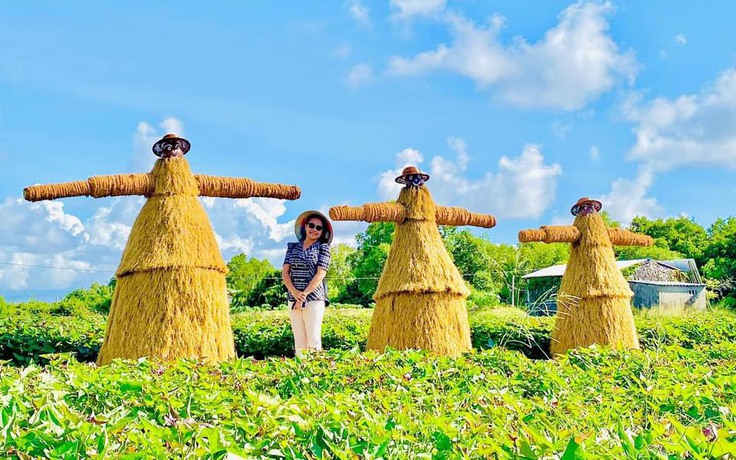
(594, 300)
(170, 298)
(420, 299)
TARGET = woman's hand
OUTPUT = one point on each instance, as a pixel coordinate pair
(301, 296)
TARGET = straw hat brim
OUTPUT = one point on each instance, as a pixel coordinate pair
(301, 221)
(159, 147)
(576, 209)
(402, 178)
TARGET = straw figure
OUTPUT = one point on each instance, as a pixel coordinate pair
(593, 302)
(170, 297)
(420, 299)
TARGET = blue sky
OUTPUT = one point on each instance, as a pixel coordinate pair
(516, 108)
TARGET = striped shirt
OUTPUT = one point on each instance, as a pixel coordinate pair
(304, 265)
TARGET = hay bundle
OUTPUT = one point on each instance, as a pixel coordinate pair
(550, 234)
(560, 233)
(369, 212)
(420, 299)
(531, 235)
(95, 186)
(241, 187)
(53, 191)
(170, 299)
(593, 303)
(621, 237)
(121, 184)
(447, 215)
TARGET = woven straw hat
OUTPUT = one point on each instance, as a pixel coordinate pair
(575, 210)
(411, 171)
(302, 221)
(170, 143)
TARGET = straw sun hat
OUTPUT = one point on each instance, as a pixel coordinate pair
(412, 176)
(303, 219)
(585, 201)
(169, 144)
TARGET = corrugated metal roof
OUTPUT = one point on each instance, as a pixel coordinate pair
(665, 283)
(559, 270)
(685, 265)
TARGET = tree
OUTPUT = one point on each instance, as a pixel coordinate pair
(681, 235)
(269, 290)
(367, 262)
(340, 274)
(243, 276)
(721, 254)
(658, 251)
(543, 255)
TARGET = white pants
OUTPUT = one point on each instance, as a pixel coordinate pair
(306, 323)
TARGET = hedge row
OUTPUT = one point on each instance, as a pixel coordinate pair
(26, 338)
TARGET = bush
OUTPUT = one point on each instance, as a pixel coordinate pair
(28, 336)
(495, 404)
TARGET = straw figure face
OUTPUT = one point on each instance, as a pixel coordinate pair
(420, 299)
(170, 299)
(593, 303)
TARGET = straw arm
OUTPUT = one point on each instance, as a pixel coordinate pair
(96, 186)
(370, 212)
(242, 187)
(621, 237)
(448, 215)
(550, 234)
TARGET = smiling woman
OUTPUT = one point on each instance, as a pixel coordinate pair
(305, 267)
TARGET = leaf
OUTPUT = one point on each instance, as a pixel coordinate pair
(573, 450)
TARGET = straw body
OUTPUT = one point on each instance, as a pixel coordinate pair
(594, 300)
(420, 299)
(170, 299)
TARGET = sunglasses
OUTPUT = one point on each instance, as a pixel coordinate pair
(314, 226)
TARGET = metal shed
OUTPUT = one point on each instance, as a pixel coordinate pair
(666, 284)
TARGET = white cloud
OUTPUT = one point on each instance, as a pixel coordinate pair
(405, 9)
(595, 153)
(571, 66)
(561, 129)
(359, 13)
(343, 51)
(687, 130)
(523, 187)
(359, 75)
(681, 39)
(627, 198)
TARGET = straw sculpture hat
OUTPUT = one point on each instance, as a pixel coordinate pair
(302, 221)
(575, 210)
(413, 176)
(170, 143)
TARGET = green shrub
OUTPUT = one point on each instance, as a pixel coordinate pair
(27, 336)
(597, 404)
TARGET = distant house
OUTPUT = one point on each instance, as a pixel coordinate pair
(656, 283)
